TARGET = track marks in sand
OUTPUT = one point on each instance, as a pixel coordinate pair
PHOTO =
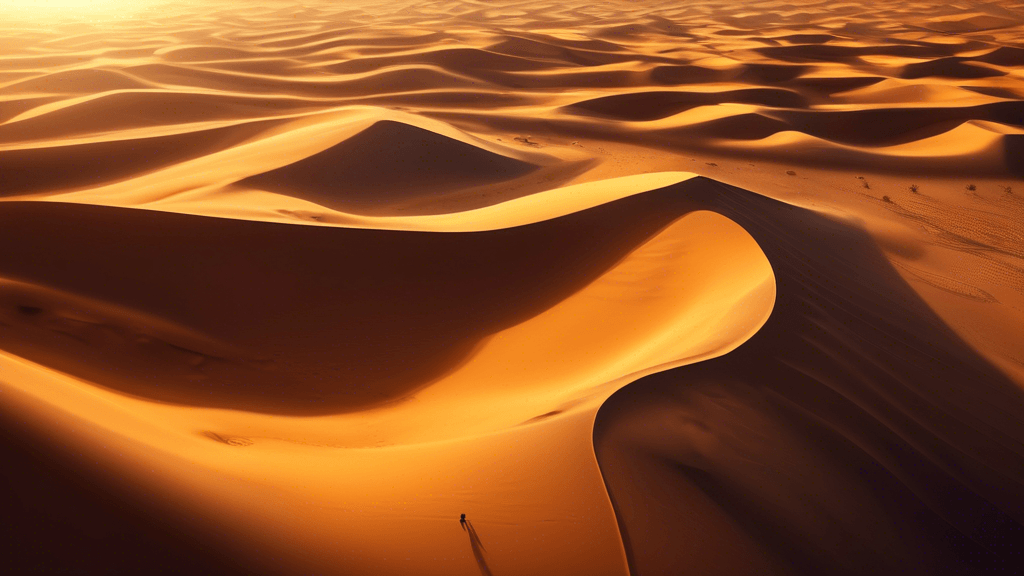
(237, 441)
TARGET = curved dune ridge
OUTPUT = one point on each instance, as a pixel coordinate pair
(888, 444)
(641, 288)
(435, 429)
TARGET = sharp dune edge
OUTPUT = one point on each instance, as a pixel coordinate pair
(642, 288)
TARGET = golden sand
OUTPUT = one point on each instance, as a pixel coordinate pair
(640, 287)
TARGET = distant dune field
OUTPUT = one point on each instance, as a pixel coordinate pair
(647, 288)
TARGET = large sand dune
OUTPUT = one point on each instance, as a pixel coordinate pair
(873, 439)
(641, 288)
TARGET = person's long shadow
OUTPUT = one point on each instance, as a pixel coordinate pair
(478, 548)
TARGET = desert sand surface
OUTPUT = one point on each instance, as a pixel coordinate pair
(641, 287)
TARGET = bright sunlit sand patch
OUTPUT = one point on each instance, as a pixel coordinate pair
(71, 10)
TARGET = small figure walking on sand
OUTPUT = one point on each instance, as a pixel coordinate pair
(462, 519)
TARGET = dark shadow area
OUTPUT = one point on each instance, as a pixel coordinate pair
(56, 519)
(96, 163)
(290, 318)
(887, 126)
(854, 433)
(478, 548)
(654, 105)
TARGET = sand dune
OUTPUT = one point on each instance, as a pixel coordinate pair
(321, 307)
(867, 481)
(135, 110)
(670, 314)
(1003, 56)
(387, 163)
(75, 82)
(643, 106)
(27, 170)
(641, 288)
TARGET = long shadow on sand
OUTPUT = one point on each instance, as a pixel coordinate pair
(478, 548)
(854, 433)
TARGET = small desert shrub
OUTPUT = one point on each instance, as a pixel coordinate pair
(886, 199)
(913, 188)
(1008, 189)
(790, 172)
(971, 187)
(866, 185)
(711, 164)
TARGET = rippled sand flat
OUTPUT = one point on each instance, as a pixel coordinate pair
(639, 287)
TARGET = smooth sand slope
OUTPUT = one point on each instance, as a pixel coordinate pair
(641, 288)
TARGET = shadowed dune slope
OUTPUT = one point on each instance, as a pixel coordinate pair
(100, 116)
(853, 434)
(654, 105)
(284, 318)
(75, 81)
(52, 168)
(889, 126)
(98, 531)
(389, 163)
